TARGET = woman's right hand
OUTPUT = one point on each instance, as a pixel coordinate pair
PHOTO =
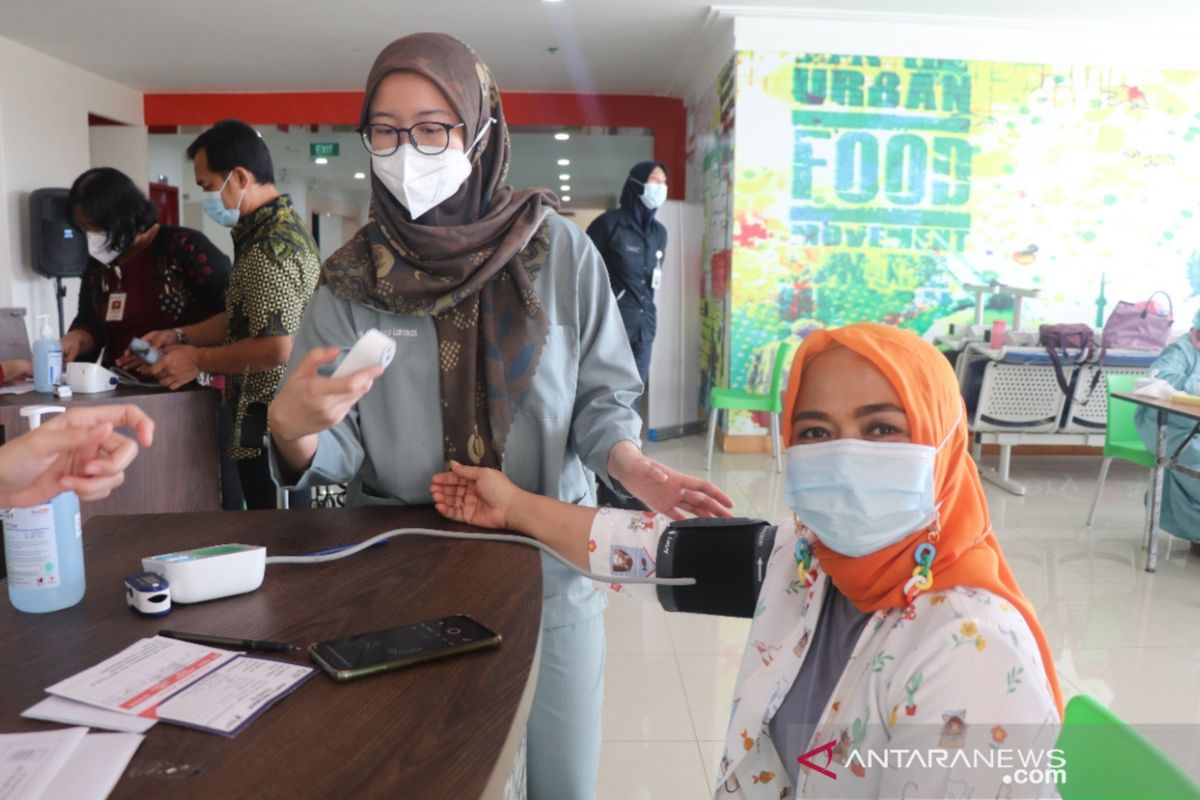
(76, 343)
(309, 403)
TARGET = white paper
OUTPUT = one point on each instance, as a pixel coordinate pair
(94, 768)
(140, 676)
(69, 712)
(227, 698)
(29, 761)
(17, 388)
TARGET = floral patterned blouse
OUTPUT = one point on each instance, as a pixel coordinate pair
(178, 279)
(947, 698)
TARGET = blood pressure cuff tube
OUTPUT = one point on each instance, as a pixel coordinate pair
(727, 557)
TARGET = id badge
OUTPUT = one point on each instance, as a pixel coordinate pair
(116, 307)
(656, 281)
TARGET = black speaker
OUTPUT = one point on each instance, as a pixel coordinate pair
(58, 249)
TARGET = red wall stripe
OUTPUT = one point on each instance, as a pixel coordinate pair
(665, 116)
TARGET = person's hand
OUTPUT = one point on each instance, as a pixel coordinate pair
(161, 340)
(74, 344)
(16, 369)
(131, 363)
(76, 451)
(474, 495)
(309, 403)
(179, 366)
(663, 489)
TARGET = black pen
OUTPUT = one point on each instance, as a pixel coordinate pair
(229, 641)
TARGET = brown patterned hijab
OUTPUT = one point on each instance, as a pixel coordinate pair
(469, 263)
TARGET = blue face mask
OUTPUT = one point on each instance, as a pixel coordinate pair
(859, 497)
(214, 206)
(654, 195)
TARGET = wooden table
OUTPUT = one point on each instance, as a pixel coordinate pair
(180, 472)
(1163, 461)
(447, 729)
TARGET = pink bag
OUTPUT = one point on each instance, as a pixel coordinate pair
(1138, 326)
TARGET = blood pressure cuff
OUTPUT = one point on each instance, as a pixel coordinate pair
(727, 557)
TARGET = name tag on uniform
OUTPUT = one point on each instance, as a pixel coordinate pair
(116, 307)
(656, 281)
(633, 248)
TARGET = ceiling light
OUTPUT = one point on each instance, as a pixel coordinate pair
(564, 162)
(566, 198)
(358, 176)
(564, 188)
(564, 177)
(563, 136)
(321, 160)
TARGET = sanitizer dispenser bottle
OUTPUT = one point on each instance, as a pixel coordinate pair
(43, 546)
(47, 358)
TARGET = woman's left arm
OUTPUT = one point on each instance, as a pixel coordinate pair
(606, 429)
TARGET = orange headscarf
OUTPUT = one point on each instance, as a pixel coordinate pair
(967, 551)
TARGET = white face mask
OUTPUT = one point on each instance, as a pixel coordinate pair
(420, 182)
(654, 195)
(97, 244)
(859, 497)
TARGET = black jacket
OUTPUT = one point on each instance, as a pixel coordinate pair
(631, 257)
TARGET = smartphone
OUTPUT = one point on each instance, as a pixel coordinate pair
(368, 653)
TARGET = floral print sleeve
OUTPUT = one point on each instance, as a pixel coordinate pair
(625, 544)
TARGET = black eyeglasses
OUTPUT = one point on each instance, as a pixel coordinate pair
(430, 138)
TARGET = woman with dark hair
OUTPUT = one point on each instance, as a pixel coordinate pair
(632, 243)
(142, 276)
(509, 354)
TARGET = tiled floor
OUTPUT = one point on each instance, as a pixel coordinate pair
(1128, 638)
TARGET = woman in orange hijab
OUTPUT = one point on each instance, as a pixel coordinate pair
(892, 653)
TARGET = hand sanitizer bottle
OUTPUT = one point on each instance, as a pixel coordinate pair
(47, 358)
(43, 546)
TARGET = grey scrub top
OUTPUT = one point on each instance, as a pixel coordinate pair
(837, 631)
(579, 405)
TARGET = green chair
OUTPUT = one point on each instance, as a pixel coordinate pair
(742, 400)
(1121, 438)
(1106, 759)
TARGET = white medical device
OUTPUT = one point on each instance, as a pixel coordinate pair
(374, 349)
(207, 573)
(86, 378)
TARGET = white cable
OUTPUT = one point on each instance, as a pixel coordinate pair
(487, 537)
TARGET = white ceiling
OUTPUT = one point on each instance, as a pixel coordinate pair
(617, 46)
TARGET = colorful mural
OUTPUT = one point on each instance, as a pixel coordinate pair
(875, 188)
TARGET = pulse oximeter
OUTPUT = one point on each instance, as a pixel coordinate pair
(149, 594)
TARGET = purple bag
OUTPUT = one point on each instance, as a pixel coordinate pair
(1132, 326)
(1068, 337)
(1059, 341)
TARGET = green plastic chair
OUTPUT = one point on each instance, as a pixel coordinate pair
(742, 400)
(1121, 438)
(1106, 759)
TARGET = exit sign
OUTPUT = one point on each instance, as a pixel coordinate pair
(323, 149)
